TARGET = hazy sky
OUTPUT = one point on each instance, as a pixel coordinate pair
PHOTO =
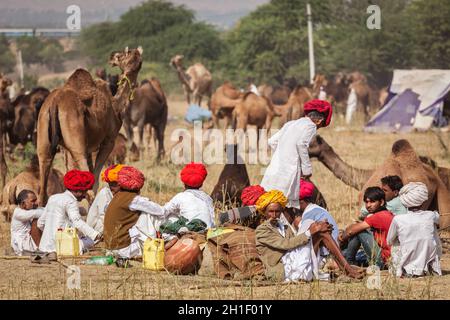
(35, 13)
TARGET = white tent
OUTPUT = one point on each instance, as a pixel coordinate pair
(417, 100)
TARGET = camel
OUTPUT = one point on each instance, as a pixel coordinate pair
(26, 110)
(293, 108)
(402, 162)
(29, 180)
(278, 94)
(149, 106)
(5, 115)
(336, 90)
(223, 101)
(83, 117)
(119, 152)
(253, 110)
(196, 80)
(232, 180)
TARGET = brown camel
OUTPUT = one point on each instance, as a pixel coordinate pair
(5, 115)
(196, 80)
(336, 89)
(29, 180)
(149, 106)
(356, 177)
(402, 162)
(119, 152)
(293, 108)
(26, 110)
(223, 101)
(232, 180)
(253, 110)
(83, 117)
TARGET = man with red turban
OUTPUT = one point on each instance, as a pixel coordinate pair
(62, 211)
(129, 218)
(290, 160)
(192, 203)
(96, 214)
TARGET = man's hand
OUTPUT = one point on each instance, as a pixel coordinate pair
(320, 226)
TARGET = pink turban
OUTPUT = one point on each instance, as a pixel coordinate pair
(306, 189)
(321, 106)
(251, 194)
(130, 178)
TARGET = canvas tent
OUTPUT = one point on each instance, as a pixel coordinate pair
(416, 101)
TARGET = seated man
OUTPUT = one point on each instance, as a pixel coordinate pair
(130, 218)
(96, 214)
(287, 256)
(62, 211)
(416, 245)
(25, 236)
(192, 203)
(391, 186)
(357, 234)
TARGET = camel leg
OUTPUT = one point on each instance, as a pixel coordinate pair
(102, 156)
(3, 166)
(141, 127)
(149, 137)
(188, 95)
(45, 163)
(160, 137)
(129, 132)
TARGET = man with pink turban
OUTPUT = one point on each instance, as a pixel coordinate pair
(62, 211)
(192, 203)
(130, 218)
(290, 160)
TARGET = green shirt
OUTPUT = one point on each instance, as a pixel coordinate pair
(395, 206)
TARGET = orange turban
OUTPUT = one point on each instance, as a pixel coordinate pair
(193, 175)
(130, 178)
(251, 194)
(321, 106)
(77, 180)
(111, 173)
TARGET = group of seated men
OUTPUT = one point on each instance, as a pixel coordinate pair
(293, 244)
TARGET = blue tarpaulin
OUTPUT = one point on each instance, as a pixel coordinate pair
(197, 113)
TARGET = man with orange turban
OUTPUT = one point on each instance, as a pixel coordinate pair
(192, 203)
(129, 218)
(290, 160)
(96, 213)
(62, 210)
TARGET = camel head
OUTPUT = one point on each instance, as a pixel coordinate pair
(4, 83)
(317, 146)
(176, 61)
(129, 60)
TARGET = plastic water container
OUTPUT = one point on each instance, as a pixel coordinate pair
(153, 254)
(67, 242)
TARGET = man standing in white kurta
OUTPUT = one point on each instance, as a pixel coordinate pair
(290, 160)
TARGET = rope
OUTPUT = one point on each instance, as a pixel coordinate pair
(127, 80)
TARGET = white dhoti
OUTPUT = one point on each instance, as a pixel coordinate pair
(352, 102)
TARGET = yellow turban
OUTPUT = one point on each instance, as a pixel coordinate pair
(272, 196)
(111, 173)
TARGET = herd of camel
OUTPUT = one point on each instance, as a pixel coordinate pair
(83, 118)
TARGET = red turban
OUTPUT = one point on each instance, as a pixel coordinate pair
(251, 194)
(130, 178)
(193, 175)
(77, 180)
(321, 106)
(306, 189)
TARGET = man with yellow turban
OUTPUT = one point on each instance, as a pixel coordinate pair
(289, 254)
(96, 214)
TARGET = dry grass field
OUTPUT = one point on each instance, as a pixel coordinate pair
(22, 280)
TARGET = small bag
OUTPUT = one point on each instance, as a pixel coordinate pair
(153, 254)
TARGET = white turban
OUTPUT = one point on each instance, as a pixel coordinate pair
(413, 194)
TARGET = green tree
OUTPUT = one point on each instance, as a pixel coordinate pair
(52, 55)
(30, 47)
(7, 60)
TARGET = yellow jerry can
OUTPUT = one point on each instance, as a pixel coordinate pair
(67, 242)
(153, 254)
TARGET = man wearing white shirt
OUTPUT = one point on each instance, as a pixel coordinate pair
(62, 211)
(22, 223)
(290, 160)
(192, 203)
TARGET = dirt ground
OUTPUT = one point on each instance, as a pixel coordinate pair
(23, 280)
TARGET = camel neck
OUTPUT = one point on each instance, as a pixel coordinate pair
(125, 90)
(351, 176)
(182, 75)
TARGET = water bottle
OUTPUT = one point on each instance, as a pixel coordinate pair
(100, 260)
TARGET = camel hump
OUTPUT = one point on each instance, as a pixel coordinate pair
(401, 146)
(82, 83)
